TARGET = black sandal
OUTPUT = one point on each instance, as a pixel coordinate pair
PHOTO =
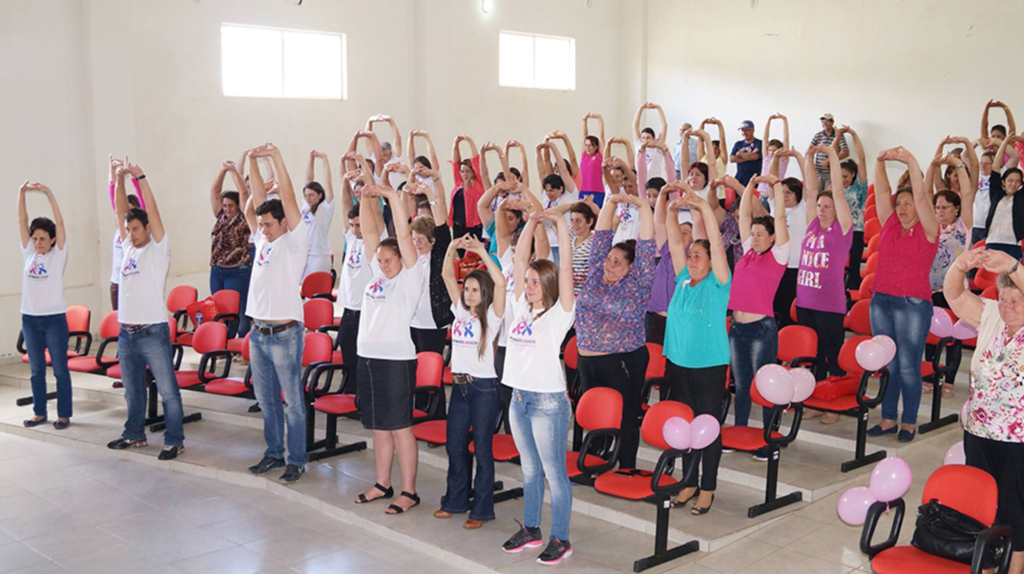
(678, 503)
(415, 498)
(388, 493)
(697, 511)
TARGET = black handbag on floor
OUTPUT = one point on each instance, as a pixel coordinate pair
(949, 533)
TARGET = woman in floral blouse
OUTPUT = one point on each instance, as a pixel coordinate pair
(956, 217)
(610, 312)
(230, 260)
(994, 429)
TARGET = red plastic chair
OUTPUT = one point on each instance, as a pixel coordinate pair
(798, 346)
(872, 247)
(969, 490)
(983, 280)
(792, 311)
(858, 319)
(177, 301)
(110, 330)
(342, 403)
(317, 313)
(991, 292)
(235, 386)
(865, 290)
(871, 266)
(317, 286)
(600, 413)
(228, 303)
(79, 318)
(871, 212)
(211, 340)
(428, 381)
(655, 375)
(872, 227)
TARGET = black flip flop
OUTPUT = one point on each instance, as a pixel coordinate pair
(415, 498)
(681, 503)
(388, 493)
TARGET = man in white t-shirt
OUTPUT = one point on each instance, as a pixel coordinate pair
(277, 335)
(557, 191)
(118, 254)
(145, 338)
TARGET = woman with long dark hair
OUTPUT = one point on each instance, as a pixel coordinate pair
(317, 213)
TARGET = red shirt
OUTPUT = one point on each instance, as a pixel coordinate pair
(904, 260)
(470, 196)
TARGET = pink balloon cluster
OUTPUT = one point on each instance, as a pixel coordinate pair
(955, 455)
(943, 326)
(683, 435)
(782, 386)
(876, 352)
(890, 480)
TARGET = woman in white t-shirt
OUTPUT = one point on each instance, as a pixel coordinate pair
(543, 309)
(387, 357)
(317, 213)
(479, 306)
(43, 321)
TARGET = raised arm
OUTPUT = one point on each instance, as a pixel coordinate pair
(23, 215)
(664, 123)
(967, 191)
(719, 262)
(156, 224)
(723, 146)
(746, 212)
(217, 188)
(328, 178)
(984, 120)
(521, 261)
(543, 166)
(573, 163)
(525, 169)
(811, 186)
(368, 220)
(843, 214)
(396, 136)
(600, 123)
(570, 185)
(498, 300)
(485, 174)
(566, 296)
(965, 304)
(674, 235)
(862, 162)
(637, 119)
(781, 229)
(402, 230)
(451, 284)
(970, 158)
(606, 218)
(1006, 149)
(287, 192)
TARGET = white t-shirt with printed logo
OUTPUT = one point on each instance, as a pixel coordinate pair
(507, 269)
(42, 283)
(629, 223)
(531, 359)
(424, 317)
(388, 307)
(355, 273)
(548, 203)
(277, 277)
(318, 225)
(118, 252)
(140, 297)
(466, 333)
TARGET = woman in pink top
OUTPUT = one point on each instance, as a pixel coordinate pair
(903, 294)
(820, 288)
(754, 335)
(591, 183)
(468, 189)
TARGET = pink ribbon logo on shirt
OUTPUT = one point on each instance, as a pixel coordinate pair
(523, 328)
(130, 268)
(264, 256)
(38, 268)
(377, 286)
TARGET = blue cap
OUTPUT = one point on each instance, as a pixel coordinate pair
(747, 125)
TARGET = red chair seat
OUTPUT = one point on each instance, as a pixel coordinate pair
(433, 432)
(187, 379)
(114, 372)
(503, 448)
(232, 386)
(591, 460)
(903, 559)
(745, 438)
(84, 364)
(419, 414)
(837, 404)
(235, 345)
(185, 339)
(24, 358)
(630, 487)
(336, 404)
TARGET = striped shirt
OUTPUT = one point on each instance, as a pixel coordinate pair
(580, 261)
(820, 159)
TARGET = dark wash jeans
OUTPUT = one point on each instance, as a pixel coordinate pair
(475, 404)
(44, 332)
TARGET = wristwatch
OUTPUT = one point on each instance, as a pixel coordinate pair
(1013, 269)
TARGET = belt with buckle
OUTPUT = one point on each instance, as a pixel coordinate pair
(133, 328)
(462, 379)
(275, 329)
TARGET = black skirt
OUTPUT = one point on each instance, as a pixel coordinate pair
(385, 393)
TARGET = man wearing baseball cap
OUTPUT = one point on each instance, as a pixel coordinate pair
(825, 137)
(746, 154)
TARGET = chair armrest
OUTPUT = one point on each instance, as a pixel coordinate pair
(181, 319)
(776, 418)
(327, 296)
(665, 461)
(320, 369)
(204, 365)
(986, 542)
(177, 354)
(229, 319)
(811, 362)
(613, 457)
(78, 336)
(862, 389)
(103, 347)
(871, 522)
(336, 340)
(21, 343)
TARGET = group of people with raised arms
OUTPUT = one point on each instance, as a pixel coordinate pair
(656, 245)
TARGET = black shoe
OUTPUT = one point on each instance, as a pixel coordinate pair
(525, 538)
(877, 430)
(123, 443)
(29, 423)
(292, 474)
(61, 424)
(906, 435)
(171, 452)
(556, 551)
(255, 408)
(266, 465)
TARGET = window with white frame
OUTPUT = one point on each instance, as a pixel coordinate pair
(260, 62)
(536, 61)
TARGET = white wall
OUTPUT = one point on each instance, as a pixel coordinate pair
(901, 73)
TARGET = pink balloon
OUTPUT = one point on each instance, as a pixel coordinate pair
(963, 414)
(705, 430)
(963, 330)
(942, 325)
(803, 384)
(890, 479)
(774, 384)
(955, 455)
(854, 503)
(677, 433)
(870, 355)
(887, 345)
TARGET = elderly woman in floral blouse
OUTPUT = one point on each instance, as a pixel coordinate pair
(994, 429)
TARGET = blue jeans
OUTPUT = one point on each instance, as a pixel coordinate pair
(276, 362)
(907, 321)
(150, 345)
(474, 404)
(540, 426)
(752, 346)
(554, 255)
(236, 279)
(44, 332)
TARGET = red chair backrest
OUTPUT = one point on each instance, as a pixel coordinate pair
(173, 328)
(755, 396)
(792, 311)
(654, 421)
(656, 364)
(318, 283)
(600, 408)
(859, 318)
(866, 286)
(316, 348)
(797, 341)
(245, 347)
(78, 317)
(572, 354)
(871, 266)
(872, 247)
(965, 488)
(984, 279)
(872, 227)
(109, 326)
(848, 355)
(181, 297)
(316, 313)
(991, 292)
(210, 336)
(227, 301)
(932, 339)
(979, 244)
(429, 367)
(871, 212)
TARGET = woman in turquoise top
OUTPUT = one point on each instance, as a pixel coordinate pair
(696, 342)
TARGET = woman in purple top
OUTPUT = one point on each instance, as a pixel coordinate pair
(820, 290)
(664, 275)
(610, 312)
